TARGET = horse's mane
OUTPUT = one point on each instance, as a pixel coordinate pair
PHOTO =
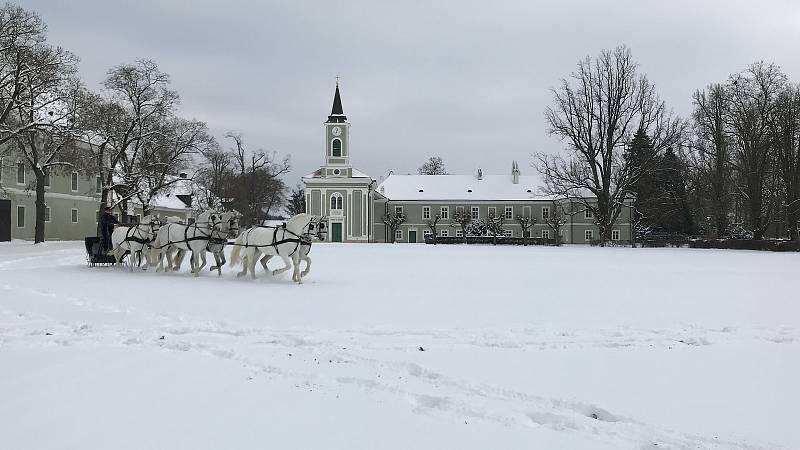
(298, 222)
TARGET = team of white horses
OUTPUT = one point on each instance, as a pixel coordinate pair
(166, 244)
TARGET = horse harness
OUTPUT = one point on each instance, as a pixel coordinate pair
(298, 240)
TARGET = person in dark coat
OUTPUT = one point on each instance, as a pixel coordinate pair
(106, 225)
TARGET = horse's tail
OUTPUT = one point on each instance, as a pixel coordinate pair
(236, 256)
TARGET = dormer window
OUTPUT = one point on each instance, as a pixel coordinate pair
(469, 190)
(421, 190)
(336, 147)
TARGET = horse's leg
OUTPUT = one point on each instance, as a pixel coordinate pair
(287, 264)
(264, 262)
(202, 259)
(178, 260)
(252, 260)
(307, 259)
(243, 260)
(195, 263)
(168, 259)
(219, 259)
(296, 268)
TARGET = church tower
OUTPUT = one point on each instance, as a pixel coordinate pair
(337, 193)
(337, 140)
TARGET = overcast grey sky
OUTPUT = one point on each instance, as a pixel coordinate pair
(465, 80)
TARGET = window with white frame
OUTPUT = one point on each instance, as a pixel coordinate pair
(426, 212)
(398, 210)
(459, 233)
(545, 212)
(508, 233)
(546, 234)
(336, 201)
(492, 211)
(444, 233)
(445, 211)
(588, 235)
(47, 214)
(587, 214)
(509, 212)
(46, 179)
(398, 235)
(74, 181)
(20, 173)
(614, 235)
(74, 215)
(426, 233)
(20, 217)
(475, 213)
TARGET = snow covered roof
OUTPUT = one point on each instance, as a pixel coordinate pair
(356, 174)
(461, 187)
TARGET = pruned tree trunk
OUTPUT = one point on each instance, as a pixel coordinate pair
(39, 232)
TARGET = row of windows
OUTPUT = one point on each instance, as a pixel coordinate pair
(588, 234)
(508, 213)
(73, 215)
(74, 178)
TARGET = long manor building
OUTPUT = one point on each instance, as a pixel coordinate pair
(72, 203)
(354, 204)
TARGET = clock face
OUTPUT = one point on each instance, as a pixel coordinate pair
(336, 131)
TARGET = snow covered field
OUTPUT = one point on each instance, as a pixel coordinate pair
(551, 348)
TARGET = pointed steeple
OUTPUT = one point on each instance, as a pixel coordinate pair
(337, 114)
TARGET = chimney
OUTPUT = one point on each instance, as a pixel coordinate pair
(480, 174)
(514, 172)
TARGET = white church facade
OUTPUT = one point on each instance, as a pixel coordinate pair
(354, 204)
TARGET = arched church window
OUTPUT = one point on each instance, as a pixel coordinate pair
(336, 147)
(336, 201)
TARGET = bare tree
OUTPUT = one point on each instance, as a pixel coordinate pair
(257, 188)
(461, 219)
(555, 219)
(433, 166)
(140, 93)
(393, 222)
(494, 226)
(711, 157)
(526, 223)
(753, 99)
(785, 128)
(213, 175)
(433, 224)
(161, 160)
(44, 116)
(24, 56)
(596, 114)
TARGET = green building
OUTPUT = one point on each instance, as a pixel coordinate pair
(72, 203)
(354, 204)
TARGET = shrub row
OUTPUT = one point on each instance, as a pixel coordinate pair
(747, 244)
(501, 240)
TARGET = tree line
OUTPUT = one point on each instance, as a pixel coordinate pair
(128, 133)
(730, 170)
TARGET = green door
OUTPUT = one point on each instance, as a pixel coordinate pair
(412, 236)
(336, 232)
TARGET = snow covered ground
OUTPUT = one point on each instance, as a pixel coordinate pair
(405, 346)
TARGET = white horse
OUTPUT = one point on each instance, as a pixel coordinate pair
(194, 238)
(229, 229)
(134, 240)
(284, 240)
